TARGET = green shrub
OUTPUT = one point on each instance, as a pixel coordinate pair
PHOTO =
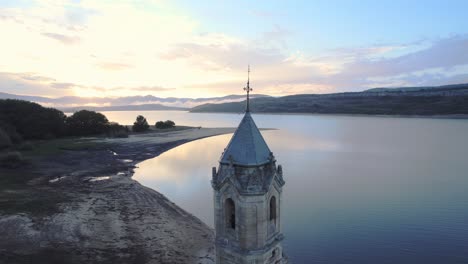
(140, 124)
(30, 120)
(10, 159)
(5, 140)
(10, 130)
(116, 130)
(25, 146)
(86, 123)
(26, 120)
(165, 124)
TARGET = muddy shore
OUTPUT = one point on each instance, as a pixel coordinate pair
(74, 201)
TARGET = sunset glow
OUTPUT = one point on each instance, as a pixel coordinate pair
(175, 48)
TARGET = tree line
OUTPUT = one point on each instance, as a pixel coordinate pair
(23, 120)
(141, 125)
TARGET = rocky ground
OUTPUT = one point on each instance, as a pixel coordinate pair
(74, 201)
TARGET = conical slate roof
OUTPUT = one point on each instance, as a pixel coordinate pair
(247, 146)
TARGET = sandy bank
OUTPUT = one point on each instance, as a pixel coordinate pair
(80, 205)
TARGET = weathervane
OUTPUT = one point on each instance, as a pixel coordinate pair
(248, 89)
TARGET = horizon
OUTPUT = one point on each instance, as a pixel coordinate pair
(221, 96)
(192, 50)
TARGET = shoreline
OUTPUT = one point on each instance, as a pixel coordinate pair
(448, 116)
(81, 204)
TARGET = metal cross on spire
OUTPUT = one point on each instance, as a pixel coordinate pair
(248, 89)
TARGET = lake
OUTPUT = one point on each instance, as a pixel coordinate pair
(358, 189)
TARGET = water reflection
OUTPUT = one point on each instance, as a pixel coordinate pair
(183, 174)
(358, 189)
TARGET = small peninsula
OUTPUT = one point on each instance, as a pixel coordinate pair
(74, 199)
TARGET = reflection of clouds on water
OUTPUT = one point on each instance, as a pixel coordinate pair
(361, 184)
(183, 174)
(175, 166)
(281, 139)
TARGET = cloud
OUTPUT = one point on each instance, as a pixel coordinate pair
(221, 56)
(67, 40)
(277, 36)
(427, 77)
(33, 84)
(27, 84)
(445, 53)
(115, 48)
(77, 15)
(414, 68)
(271, 86)
(62, 85)
(30, 77)
(443, 61)
(28, 80)
(114, 66)
(151, 89)
(136, 89)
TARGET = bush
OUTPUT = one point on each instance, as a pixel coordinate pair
(86, 123)
(169, 123)
(5, 140)
(159, 124)
(30, 120)
(11, 159)
(140, 124)
(25, 146)
(116, 130)
(10, 130)
(165, 124)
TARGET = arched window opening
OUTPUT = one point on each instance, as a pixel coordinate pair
(273, 209)
(230, 214)
(275, 253)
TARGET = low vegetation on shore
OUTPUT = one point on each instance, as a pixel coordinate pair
(68, 197)
(165, 124)
(22, 122)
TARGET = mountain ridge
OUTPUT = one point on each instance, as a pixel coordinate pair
(438, 100)
(142, 107)
(423, 100)
(87, 102)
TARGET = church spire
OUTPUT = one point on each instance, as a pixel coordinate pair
(247, 198)
(248, 89)
(247, 146)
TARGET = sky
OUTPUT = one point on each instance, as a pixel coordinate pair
(104, 48)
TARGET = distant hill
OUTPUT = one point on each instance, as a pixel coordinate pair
(128, 101)
(420, 88)
(441, 100)
(25, 97)
(142, 107)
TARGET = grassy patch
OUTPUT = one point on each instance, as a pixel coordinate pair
(17, 196)
(22, 190)
(176, 128)
(30, 201)
(11, 178)
(55, 146)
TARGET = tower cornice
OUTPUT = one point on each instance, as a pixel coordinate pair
(248, 180)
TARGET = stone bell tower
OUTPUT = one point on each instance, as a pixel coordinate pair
(247, 198)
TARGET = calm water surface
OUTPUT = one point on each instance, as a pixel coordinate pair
(358, 189)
